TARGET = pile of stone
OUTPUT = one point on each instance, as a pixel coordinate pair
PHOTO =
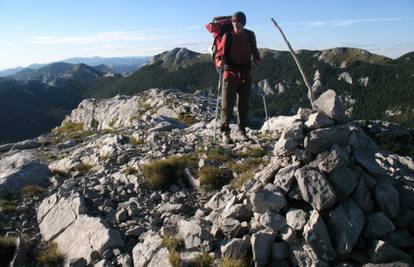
(329, 197)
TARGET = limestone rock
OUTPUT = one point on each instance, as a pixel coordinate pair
(383, 252)
(262, 246)
(344, 181)
(322, 139)
(296, 218)
(334, 160)
(378, 224)
(317, 236)
(19, 170)
(263, 200)
(272, 221)
(193, 234)
(346, 223)
(236, 247)
(387, 198)
(286, 176)
(330, 104)
(318, 120)
(145, 251)
(315, 189)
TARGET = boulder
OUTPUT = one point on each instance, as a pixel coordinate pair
(279, 123)
(387, 198)
(330, 104)
(334, 160)
(143, 252)
(285, 147)
(263, 200)
(382, 252)
(296, 218)
(362, 197)
(400, 238)
(19, 170)
(280, 251)
(315, 188)
(320, 140)
(268, 173)
(236, 247)
(193, 233)
(272, 221)
(344, 181)
(346, 223)
(318, 120)
(316, 235)
(86, 236)
(286, 176)
(161, 258)
(378, 224)
(262, 246)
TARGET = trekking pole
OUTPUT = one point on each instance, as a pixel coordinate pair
(305, 79)
(218, 100)
(265, 108)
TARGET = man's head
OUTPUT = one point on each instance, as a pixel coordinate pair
(238, 20)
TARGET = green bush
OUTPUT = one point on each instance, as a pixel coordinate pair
(50, 255)
(214, 178)
(160, 174)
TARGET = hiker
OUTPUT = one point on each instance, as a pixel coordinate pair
(239, 48)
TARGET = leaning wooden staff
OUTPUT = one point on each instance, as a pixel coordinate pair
(295, 57)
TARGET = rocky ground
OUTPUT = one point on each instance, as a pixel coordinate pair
(315, 191)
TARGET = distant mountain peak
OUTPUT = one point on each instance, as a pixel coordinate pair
(175, 57)
(343, 56)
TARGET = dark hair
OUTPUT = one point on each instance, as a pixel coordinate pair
(240, 16)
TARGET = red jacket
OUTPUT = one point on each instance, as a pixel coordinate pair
(239, 50)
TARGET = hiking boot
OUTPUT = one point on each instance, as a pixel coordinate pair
(242, 135)
(226, 138)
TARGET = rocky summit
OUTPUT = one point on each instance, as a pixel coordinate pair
(138, 181)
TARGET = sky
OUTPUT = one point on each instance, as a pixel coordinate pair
(44, 31)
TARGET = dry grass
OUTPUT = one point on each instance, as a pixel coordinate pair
(214, 178)
(175, 258)
(135, 141)
(130, 171)
(219, 154)
(172, 243)
(242, 178)
(71, 131)
(160, 174)
(7, 206)
(84, 168)
(50, 256)
(233, 262)
(202, 260)
(187, 119)
(30, 191)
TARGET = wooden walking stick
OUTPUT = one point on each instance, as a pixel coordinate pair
(295, 57)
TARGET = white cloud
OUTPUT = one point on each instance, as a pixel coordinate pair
(348, 22)
(96, 38)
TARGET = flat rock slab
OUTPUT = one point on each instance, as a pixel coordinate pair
(19, 170)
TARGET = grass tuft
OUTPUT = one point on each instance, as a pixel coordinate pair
(233, 262)
(202, 260)
(214, 178)
(242, 178)
(71, 131)
(160, 174)
(175, 258)
(219, 154)
(7, 206)
(50, 256)
(172, 243)
(30, 191)
(187, 119)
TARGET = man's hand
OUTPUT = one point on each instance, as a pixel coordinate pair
(258, 61)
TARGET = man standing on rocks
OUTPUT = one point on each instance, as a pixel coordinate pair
(240, 47)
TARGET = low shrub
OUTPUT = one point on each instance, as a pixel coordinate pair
(160, 174)
(214, 178)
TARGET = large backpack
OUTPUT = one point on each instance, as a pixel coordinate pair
(219, 27)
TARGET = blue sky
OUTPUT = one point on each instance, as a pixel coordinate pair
(49, 30)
